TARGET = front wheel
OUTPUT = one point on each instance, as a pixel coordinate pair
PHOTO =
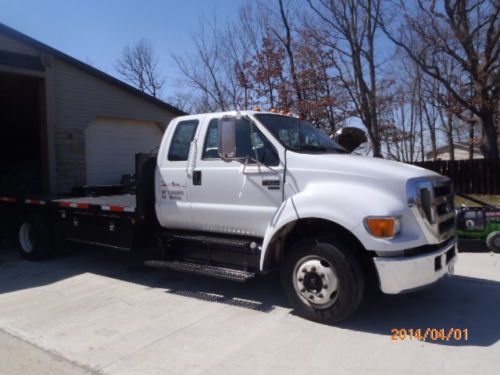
(322, 280)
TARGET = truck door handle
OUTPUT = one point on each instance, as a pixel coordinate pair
(196, 177)
(271, 184)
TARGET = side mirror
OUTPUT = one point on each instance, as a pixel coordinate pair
(350, 138)
(227, 138)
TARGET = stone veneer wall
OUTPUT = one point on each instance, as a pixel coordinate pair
(70, 158)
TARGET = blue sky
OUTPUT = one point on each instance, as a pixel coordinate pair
(96, 31)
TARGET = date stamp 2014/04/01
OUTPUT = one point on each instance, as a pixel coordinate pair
(430, 334)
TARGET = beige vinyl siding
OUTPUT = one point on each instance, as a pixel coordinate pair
(11, 45)
(80, 97)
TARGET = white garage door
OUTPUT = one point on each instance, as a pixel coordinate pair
(111, 145)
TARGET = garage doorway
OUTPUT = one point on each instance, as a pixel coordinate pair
(111, 145)
(21, 162)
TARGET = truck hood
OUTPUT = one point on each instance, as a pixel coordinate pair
(355, 166)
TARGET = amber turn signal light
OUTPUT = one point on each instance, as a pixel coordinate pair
(383, 227)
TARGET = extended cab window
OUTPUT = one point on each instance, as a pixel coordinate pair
(210, 148)
(181, 140)
(266, 152)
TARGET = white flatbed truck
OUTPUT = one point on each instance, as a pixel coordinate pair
(235, 195)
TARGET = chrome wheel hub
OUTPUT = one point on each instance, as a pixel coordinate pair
(315, 281)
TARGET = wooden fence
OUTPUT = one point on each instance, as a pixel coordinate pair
(478, 176)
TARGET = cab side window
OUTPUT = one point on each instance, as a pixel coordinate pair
(181, 140)
(266, 152)
(210, 147)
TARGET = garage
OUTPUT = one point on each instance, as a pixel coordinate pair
(106, 164)
(65, 124)
(21, 160)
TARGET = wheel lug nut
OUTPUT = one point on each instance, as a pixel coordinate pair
(313, 269)
(304, 270)
(325, 286)
(301, 279)
(320, 295)
(322, 275)
(303, 290)
(311, 297)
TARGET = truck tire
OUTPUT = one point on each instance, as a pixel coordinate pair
(322, 280)
(493, 241)
(33, 238)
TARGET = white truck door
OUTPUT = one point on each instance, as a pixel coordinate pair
(172, 193)
(227, 197)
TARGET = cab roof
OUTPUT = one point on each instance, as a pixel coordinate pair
(233, 113)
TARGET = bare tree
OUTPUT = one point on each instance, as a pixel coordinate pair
(348, 27)
(205, 70)
(429, 107)
(261, 66)
(467, 33)
(139, 66)
(286, 40)
(333, 63)
(237, 53)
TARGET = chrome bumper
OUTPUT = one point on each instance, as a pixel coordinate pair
(402, 274)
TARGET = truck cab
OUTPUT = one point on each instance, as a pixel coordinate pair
(250, 192)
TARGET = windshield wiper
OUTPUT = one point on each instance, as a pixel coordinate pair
(314, 148)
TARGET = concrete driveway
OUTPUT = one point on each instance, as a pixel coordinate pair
(95, 311)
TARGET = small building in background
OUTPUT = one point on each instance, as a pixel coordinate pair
(461, 153)
(64, 123)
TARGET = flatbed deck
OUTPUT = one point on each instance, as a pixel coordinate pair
(117, 216)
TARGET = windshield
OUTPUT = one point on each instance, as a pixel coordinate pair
(286, 130)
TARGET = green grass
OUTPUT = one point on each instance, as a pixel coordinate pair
(491, 199)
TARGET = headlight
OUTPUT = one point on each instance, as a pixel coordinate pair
(383, 227)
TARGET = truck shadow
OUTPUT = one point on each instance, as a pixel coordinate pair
(456, 302)
(17, 274)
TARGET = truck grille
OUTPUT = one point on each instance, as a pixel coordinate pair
(437, 204)
(433, 200)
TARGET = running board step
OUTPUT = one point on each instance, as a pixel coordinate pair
(242, 243)
(202, 269)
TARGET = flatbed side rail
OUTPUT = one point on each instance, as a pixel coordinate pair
(65, 204)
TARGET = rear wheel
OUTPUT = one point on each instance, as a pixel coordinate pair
(34, 238)
(322, 279)
(493, 241)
